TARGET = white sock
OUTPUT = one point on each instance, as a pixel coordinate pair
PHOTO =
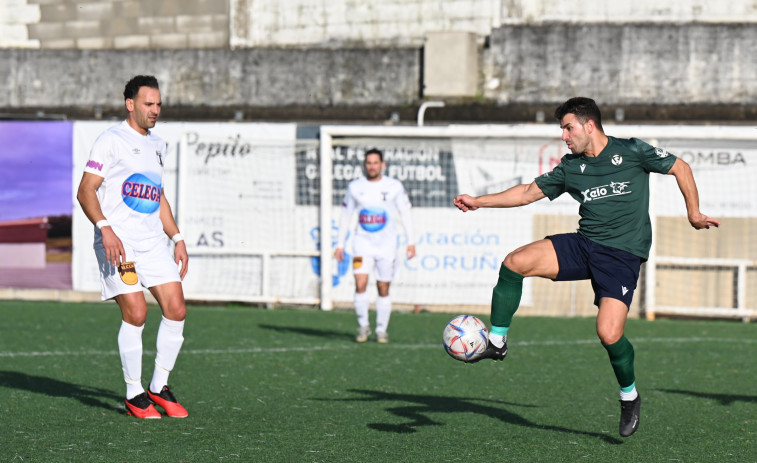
(170, 339)
(383, 312)
(629, 395)
(497, 340)
(362, 302)
(130, 348)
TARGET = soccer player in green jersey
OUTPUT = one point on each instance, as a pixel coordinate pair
(609, 177)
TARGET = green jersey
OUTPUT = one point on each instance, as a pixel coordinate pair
(613, 189)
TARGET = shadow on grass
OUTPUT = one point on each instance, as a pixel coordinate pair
(724, 399)
(330, 334)
(416, 413)
(91, 396)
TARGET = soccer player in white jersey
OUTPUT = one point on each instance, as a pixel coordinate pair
(379, 201)
(121, 192)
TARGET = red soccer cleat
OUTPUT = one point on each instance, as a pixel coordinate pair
(166, 400)
(141, 407)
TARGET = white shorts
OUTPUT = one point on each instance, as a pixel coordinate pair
(385, 267)
(152, 266)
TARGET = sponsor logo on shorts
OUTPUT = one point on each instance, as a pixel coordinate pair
(357, 262)
(606, 191)
(128, 273)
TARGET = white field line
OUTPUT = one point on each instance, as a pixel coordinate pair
(333, 347)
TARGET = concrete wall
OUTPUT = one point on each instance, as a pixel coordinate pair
(624, 64)
(102, 24)
(114, 24)
(364, 59)
(210, 78)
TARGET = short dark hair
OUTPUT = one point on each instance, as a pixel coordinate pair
(133, 86)
(375, 151)
(584, 108)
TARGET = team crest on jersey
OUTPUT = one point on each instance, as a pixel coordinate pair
(616, 159)
(661, 152)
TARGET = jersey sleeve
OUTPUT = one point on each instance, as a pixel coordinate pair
(654, 159)
(348, 207)
(101, 157)
(552, 183)
(402, 203)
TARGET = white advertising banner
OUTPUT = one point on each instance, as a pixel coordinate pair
(216, 146)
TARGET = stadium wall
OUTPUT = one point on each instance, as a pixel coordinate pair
(636, 72)
(107, 24)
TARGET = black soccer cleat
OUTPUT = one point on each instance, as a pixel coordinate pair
(492, 352)
(630, 410)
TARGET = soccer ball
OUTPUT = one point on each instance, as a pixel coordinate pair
(465, 337)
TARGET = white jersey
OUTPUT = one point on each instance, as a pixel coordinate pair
(131, 165)
(379, 205)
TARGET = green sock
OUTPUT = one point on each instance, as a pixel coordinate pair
(621, 358)
(505, 299)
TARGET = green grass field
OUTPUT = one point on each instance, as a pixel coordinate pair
(292, 386)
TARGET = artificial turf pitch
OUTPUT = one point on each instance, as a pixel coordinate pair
(292, 386)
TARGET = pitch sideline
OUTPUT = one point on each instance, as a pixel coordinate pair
(343, 346)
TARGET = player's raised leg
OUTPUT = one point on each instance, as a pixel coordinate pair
(535, 259)
(170, 297)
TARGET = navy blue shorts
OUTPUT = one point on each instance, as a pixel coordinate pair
(613, 272)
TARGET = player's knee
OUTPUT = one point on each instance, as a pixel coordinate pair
(177, 313)
(517, 262)
(609, 335)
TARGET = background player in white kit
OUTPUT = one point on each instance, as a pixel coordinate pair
(121, 192)
(379, 200)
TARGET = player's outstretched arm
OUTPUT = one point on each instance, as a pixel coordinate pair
(685, 178)
(519, 195)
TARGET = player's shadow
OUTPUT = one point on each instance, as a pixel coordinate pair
(724, 399)
(416, 413)
(91, 396)
(329, 334)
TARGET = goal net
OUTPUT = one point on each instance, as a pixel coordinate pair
(272, 205)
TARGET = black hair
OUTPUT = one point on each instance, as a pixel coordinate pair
(584, 108)
(133, 86)
(375, 151)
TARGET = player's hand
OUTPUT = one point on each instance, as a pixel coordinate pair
(700, 221)
(114, 248)
(410, 251)
(339, 254)
(181, 257)
(465, 203)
